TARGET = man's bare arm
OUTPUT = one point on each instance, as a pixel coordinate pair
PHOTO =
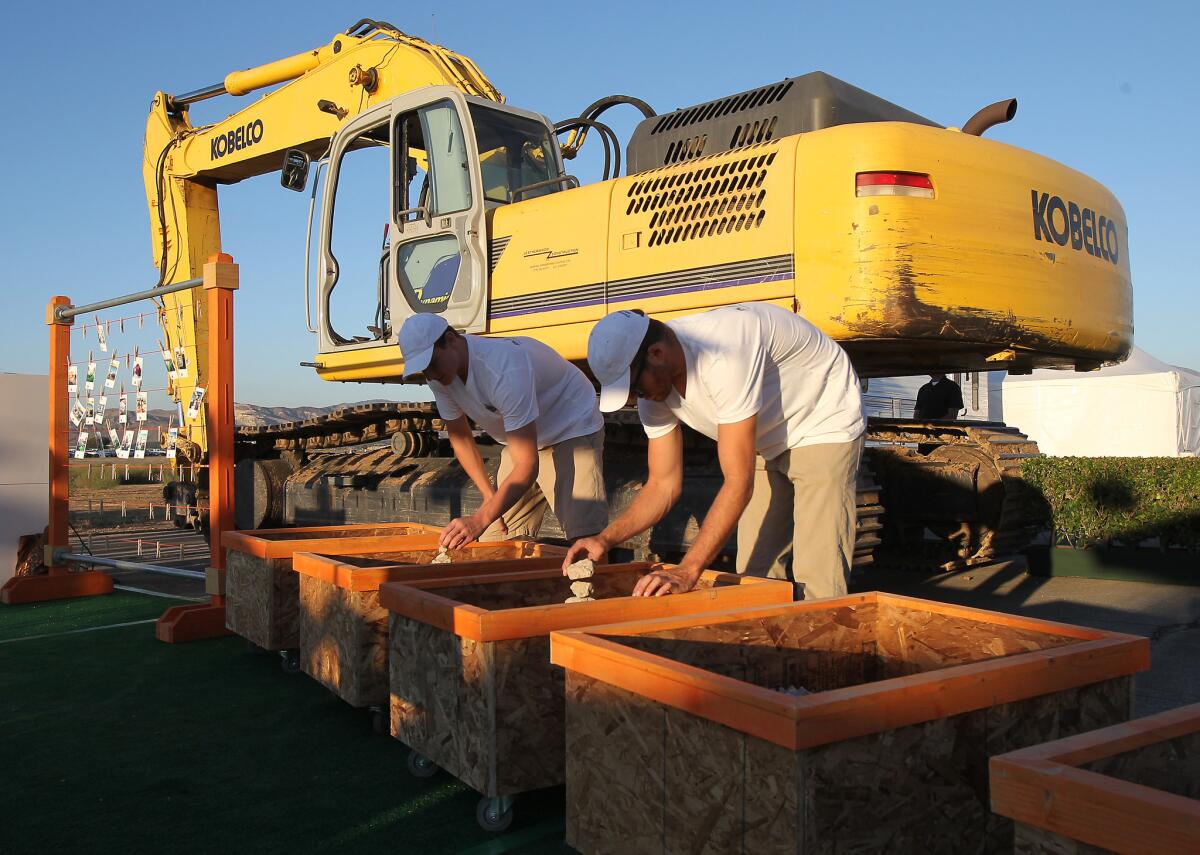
(467, 453)
(735, 449)
(523, 454)
(664, 482)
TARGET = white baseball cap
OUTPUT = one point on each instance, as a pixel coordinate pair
(612, 347)
(418, 335)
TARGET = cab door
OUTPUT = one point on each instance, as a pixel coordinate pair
(403, 237)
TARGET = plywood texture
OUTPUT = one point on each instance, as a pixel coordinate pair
(490, 713)
(841, 647)
(539, 592)
(262, 600)
(648, 778)
(1172, 766)
(1030, 840)
(343, 641)
(615, 750)
(507, 551)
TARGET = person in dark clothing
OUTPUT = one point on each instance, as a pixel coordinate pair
(940, 398)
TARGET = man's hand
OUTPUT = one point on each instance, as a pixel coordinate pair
(461, 531)
(673, 580)
(595, 547)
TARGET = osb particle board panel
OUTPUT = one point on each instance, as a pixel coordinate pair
(488, 551)
(343, 641)
(1172, 766)
(429, 663)
(615, 749)
(647, 778)
(846, 646)
(262, 600)
(1030, 840)
(490, 713)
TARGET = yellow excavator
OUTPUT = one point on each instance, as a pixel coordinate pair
(918, 247)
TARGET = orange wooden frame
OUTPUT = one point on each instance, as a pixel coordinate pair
(59, 582)
(207, 620)
(420, 601)
(329, 568)
(1042, 786)
(832, 716)
(285, 542)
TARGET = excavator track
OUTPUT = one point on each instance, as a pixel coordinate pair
(335, 468)
(961, 481)
(412, 427)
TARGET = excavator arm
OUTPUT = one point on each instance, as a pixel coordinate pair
(183, 164)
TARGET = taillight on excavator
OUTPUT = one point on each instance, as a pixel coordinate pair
(893, 184)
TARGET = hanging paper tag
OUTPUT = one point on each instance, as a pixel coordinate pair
(195, 405)
(110, 379)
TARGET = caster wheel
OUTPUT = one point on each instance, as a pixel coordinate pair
(420, 766)
(290, 661)
(379, 722)
(494, 814)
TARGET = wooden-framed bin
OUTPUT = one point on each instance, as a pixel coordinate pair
(1131, 788)
(343, 627)
(262, 594)
(472, 687)
(853, 724)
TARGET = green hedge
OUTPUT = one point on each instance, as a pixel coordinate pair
(1118, 500)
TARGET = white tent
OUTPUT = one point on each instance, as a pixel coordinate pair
(895, 397)
(1142, 407)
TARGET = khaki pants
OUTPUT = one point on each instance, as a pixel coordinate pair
(803, 507)
(570, 480)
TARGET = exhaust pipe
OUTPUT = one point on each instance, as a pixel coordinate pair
(990, 116)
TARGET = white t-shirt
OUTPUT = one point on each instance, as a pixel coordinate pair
(756, 358)
(514, 381)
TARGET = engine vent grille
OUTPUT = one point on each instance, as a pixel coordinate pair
(688, 149)
(711, 200)
(797, 105)
(751, 100)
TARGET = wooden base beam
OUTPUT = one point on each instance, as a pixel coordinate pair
(197, 622)
(55, 586)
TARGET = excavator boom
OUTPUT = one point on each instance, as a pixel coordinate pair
(369, 64)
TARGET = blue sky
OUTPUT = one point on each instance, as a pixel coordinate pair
(1103, 87)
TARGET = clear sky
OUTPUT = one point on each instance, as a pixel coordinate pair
(1107, 88)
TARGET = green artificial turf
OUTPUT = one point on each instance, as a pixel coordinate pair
(111, 741)
(62, 615)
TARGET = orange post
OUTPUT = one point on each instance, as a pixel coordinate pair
(59, 582)
(207, 620)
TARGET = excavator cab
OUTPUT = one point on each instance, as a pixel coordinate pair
(431, 165)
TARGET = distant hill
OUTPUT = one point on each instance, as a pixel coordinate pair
(253, 415)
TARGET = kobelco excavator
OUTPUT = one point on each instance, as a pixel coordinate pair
(918, 247)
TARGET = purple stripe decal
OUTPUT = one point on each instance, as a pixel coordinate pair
(647, 295)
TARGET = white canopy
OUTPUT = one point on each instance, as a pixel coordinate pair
(1142, 407)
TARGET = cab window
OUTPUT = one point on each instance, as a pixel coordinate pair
(514, 153)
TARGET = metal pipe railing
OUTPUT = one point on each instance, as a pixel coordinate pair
(65, 313)
(119, 564)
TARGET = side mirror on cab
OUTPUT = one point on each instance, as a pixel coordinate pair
(294, 175)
